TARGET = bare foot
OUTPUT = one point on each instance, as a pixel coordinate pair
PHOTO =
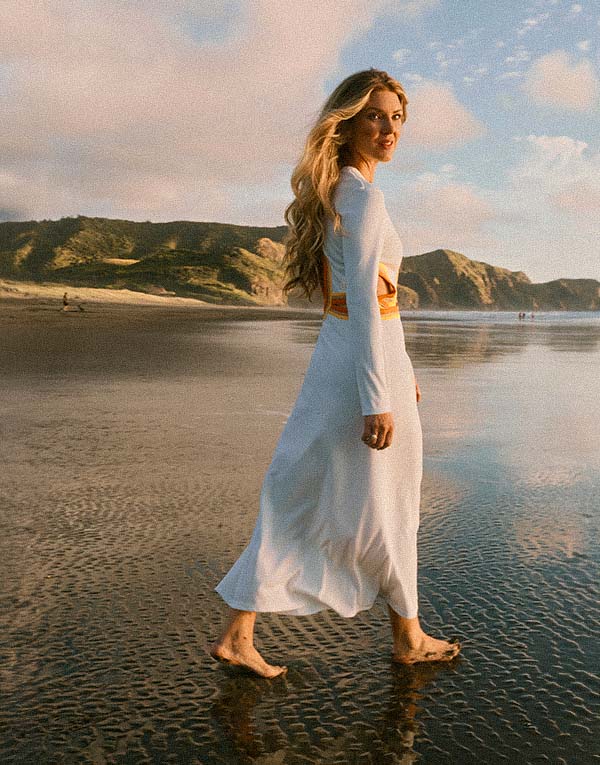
(426, 648)
(247, 657)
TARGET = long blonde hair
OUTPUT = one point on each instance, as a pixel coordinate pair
(317, 173)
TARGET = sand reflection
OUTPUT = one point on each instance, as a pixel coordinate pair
(242, 712)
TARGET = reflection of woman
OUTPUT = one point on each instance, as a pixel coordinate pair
(339, 511)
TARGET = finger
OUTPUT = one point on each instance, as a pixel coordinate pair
(367, 438)
(378, 444)
(388, 439)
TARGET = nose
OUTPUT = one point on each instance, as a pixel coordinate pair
(387, 127)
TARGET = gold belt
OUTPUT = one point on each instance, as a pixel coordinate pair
(334, 303)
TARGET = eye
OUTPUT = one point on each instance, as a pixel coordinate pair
(375, 115)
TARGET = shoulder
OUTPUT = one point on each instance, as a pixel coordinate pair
(354, 197)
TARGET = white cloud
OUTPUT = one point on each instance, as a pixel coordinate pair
(439, 212)
(583, 45)
(579, 197)
(564, 171)
(531, 23)
(555, 80)
(509, 75)
(120, 109)
(519, 55)
(401, 55)
(437, 120)
(545, 208)
(413, 77)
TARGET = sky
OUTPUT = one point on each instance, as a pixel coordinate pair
(198, 110)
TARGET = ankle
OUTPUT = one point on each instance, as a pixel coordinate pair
(407, 633)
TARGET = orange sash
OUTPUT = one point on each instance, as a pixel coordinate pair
(335, 302)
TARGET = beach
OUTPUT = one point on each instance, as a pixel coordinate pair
(135, 438)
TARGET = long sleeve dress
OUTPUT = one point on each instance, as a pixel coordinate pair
(338, 520)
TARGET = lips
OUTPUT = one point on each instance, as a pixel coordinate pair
(386, 144)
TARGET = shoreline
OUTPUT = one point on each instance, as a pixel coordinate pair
(48, 298)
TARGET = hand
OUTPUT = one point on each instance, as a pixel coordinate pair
(418, 391)
(382, 425)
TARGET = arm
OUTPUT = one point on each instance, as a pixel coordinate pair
(363, 219)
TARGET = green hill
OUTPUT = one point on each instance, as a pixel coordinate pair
(227, 264)
(216, 262)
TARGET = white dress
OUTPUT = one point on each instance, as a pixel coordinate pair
(338, 520)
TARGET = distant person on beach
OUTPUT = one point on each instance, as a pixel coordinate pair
(65, 302)
(339, 504)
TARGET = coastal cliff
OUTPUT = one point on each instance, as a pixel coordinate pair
(227, 264)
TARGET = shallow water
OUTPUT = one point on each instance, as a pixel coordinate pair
(133, 448)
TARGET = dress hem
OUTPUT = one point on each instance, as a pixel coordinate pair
(296, 612)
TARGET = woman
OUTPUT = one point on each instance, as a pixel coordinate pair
(339, 509)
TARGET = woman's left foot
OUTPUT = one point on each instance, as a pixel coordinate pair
(427, 649)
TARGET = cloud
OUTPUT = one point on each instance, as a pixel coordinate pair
(532, 23)
(436, 119)
(519, 55)
(401, 55)
(442, 212)
(128, 109)
(580, 197)
(544, 209)
(564, 171)
(555, 80)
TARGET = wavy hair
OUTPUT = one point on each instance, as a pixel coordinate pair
(317, 173)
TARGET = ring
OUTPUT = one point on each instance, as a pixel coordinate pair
(373, 437)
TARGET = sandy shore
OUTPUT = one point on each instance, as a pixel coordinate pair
(134, 443)
(12, 292)
(32, 291)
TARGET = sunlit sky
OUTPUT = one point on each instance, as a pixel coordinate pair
(180, 110)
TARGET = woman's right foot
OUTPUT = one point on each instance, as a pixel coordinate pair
(425, 648)
(247, 657)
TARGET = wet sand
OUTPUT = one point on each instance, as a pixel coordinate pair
(134, 442)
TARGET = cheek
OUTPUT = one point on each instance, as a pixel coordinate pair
(368, 130)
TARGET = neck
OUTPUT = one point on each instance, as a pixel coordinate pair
(365, 168)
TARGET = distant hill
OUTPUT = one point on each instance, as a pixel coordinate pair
(227, 264)
(447, 279)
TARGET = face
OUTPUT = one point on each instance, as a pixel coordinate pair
(375, 130)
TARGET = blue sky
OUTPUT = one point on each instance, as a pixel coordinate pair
(183, 110)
